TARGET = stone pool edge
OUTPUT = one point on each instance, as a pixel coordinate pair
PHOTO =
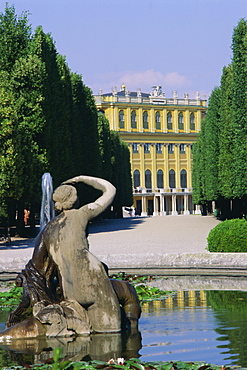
(209, 264)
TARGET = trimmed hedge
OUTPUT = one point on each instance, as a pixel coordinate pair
(229, 236)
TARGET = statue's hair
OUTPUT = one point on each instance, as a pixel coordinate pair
(65, 197)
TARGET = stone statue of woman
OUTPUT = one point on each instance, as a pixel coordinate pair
(61, 251)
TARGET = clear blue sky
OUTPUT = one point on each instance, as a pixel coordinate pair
(179, 44)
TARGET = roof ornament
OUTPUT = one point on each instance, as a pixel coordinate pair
(175, 94)
(127, 93)
(139, 93)
(157, 91)
(197, 95)
(114, 90)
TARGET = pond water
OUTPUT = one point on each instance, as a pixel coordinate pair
(208, 326)
(196, 326)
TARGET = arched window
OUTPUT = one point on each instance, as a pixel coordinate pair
(172, 179)
(136, 178)
(183, 179)
(157, 120)
(169, 121)
(180, 121)
(145, 120)
(133, 119)
(121, 119)
(192, 121)
(148, 179)
(160, 179)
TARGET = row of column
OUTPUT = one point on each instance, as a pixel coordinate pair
(153, 166)
(161, 198)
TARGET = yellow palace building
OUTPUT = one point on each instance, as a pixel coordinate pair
(160, 133)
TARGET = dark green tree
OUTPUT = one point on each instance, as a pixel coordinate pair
(84, 129)
(198, 169)
(222, 143)
(211, 146)
(55, 138)
(121, 178)
(104, 133)
(239, 116)
(15, 34)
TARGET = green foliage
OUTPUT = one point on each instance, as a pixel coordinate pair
(49, 123)
(144, 291)
(219, 165)
(132, 364)
(239, 108)
(121, 179)
(105, 147)
(11, 298)
(229, 236)
(15, 34)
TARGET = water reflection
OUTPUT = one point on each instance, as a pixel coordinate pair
(231, 313)
(196, 326)
(200, 325)
(94, 347)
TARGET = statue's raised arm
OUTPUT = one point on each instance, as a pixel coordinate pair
(103, 201)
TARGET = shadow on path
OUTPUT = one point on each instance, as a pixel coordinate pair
(114, 225)
(18, 244)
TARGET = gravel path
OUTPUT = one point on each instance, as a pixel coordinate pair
(130, 236)
(169, 234)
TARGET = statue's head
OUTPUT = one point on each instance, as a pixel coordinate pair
(65, 197)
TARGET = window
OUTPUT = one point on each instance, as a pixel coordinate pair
(146, 148)
(145, 120)
(182, 148)
(169, 121)
(183, 179)
(135, 148)
(133, 119)
(192, 122)
(157, 120)
(172, 179)
(121, 119)
(170, 148)
(158, 148)
(100, 111)
(148, 180)
(136, 178)
(160, 179)
(180, 121)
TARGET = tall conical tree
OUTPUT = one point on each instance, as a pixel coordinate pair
(84, 129)
(211, 146)
(56, 135)
(239, 108)
(105, 147)
(15, 34)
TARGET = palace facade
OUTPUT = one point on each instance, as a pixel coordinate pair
(160, 133)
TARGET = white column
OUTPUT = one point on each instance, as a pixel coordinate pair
(144, 206)
(155, 212)
(174, 205)
(186, 211)
(162, 199)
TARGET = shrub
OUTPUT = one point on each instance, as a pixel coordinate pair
(229, 236)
